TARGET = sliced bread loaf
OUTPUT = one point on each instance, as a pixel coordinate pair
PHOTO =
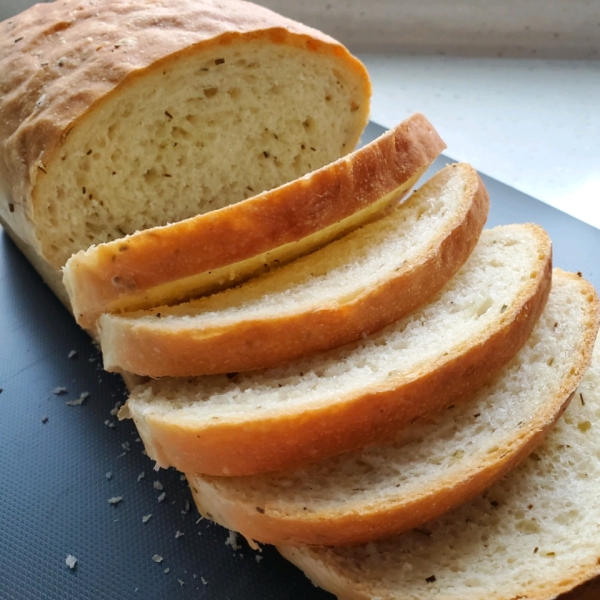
(432, 467)
(533, 535)
(118, 116)
(215, 250)
(341, 400)
(350, 288)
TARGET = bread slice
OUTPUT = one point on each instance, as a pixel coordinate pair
(432, 467)
(118, 116)
(350, 288)
(341, 400)
(215, 250)
(533, 535)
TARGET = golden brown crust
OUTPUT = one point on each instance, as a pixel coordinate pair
(145, 349)
(62, 59)
(288, 440)
(118, 274)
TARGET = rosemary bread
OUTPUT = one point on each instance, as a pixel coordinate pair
(532, 535)
(214, 250)
(341, 400)
(350, 288)
(118, 116)
(432, 467)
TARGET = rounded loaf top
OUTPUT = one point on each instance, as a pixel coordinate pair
(60, 60)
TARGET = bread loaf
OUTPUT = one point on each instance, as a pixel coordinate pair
(348, 289)
(118, 116)
(532, 535)
(333, 402)
(432, 467)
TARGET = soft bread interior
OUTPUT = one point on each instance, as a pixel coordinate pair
(157, 151)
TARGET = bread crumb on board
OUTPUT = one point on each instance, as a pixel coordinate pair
(232, 540)
(78, 401)
(71, 561)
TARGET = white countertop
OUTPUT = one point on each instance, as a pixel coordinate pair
(533, 124)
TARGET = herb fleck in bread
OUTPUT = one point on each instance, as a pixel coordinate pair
(215, 250)
(532, 535)
(341, 400)
(388, 488)
(348, 289)
(118, 116)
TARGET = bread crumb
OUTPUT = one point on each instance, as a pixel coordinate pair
(78, 401)
(71, 561)
(109, 475)
(157, 485)
(146, 518)
(203, 580)
(72, 354)
(59, 391)
(157, 558)
(179, 534)
(115, 500)
(162, 497)
(166, 570)
(258, 558)
(141, 476)
(232, 540)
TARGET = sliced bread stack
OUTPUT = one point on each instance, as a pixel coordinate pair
(348, 453)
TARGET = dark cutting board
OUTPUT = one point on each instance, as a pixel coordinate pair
(54, 457)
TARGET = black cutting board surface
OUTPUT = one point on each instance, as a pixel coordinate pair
(61, 463)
